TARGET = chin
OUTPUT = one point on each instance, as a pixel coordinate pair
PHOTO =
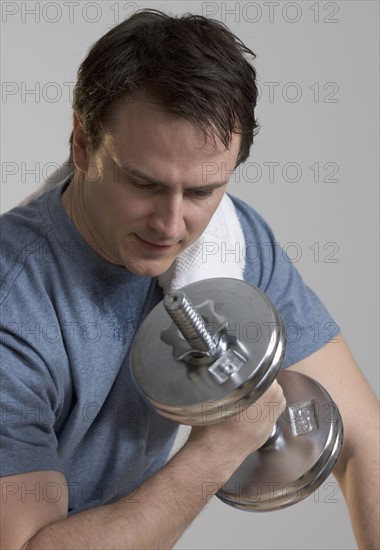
(146, 268)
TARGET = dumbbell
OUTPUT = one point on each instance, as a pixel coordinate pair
(211, 349)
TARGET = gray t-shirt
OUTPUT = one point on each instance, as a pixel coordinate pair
(68, 318)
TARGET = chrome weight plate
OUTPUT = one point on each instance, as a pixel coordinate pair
(188, 393)
(299, 460)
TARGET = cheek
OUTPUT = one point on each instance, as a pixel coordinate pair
(128, 216)
(128, 211)
(116, 203)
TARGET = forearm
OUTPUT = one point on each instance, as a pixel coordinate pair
(357, 469)
(360, 486)
(157, 513)
(154, 516)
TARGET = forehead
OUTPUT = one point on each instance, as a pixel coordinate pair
(164, 144)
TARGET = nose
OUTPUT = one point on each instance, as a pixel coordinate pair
(167, 218)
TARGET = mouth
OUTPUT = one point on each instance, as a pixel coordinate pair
(154, 247)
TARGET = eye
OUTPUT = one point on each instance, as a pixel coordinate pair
(201, 193)
(143, 186)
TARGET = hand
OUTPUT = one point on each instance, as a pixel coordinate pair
(247, 430)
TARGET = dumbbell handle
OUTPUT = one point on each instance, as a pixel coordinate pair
(189, 322)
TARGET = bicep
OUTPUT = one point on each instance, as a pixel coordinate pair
(30, 502)
(334, 367)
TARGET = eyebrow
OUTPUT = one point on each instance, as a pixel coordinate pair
(134, 172)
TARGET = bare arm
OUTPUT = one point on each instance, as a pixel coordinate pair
(158, 512)
(357, 470)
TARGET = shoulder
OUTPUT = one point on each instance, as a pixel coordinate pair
(308, 324)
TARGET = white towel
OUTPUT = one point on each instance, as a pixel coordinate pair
(217, 252)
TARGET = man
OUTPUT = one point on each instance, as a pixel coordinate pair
(157, 100)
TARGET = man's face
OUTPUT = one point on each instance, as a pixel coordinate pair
(152, 186)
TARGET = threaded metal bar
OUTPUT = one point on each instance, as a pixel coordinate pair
(188, 321)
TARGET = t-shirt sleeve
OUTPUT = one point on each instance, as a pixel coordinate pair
(308, 324)
(28, 408)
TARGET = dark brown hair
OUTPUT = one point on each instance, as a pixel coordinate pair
(193, 66)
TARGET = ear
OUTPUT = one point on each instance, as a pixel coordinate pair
(80, 144)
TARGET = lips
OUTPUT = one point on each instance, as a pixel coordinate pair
(151, 246)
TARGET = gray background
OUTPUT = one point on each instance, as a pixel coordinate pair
(318, 65)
